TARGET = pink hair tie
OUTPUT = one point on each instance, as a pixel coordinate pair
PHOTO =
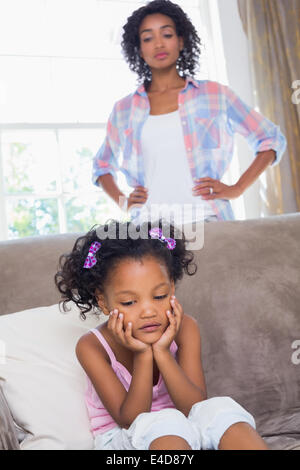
(157, 233)
(91, 259)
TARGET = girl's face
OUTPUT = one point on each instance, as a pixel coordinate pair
(141, 290)
(159, 44)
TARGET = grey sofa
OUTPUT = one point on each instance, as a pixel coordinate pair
(245, 297)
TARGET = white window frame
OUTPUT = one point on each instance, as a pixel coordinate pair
(59, 193)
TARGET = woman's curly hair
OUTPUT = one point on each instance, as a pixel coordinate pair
(189, 56)
(119, 241)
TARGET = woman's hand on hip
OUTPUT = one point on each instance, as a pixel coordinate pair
(209, 189)
(124, 336)
(175, 318)
(137, 197)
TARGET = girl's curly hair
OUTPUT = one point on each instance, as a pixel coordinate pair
(119, 241)
(189, 56)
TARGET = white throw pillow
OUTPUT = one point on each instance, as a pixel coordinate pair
(44, 383)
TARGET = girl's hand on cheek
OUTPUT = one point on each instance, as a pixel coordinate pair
(168, 336)
(124, 336)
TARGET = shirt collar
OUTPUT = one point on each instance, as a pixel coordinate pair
(141, 89)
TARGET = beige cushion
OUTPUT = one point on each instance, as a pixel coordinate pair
(8, 436)
(43, 381)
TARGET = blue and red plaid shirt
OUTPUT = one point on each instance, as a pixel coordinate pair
(210, 113)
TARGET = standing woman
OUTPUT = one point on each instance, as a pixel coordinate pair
(176, 132)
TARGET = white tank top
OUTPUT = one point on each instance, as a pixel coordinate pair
(167, 173)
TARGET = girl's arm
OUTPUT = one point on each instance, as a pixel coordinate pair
(184, 379)
(139, 397)
(123, 406)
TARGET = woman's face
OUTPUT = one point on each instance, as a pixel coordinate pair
(159, 44)
(141, 290)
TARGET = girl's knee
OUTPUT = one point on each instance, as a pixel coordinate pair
(214, 416)
(168, 422)
(162, 416)
(212, 407)
(169, 442)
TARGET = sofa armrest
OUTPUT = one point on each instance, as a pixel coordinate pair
(8, 436)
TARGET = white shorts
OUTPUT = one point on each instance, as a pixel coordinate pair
(202, 429)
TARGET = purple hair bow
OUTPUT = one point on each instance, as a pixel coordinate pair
(157, 233)
(91, 258)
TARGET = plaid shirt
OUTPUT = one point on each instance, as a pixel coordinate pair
(210, 113)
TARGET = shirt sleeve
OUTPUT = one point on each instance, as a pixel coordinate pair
(106, 159)
(260, 132)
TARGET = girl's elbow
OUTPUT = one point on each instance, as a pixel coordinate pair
(125, 419)
(122, 421)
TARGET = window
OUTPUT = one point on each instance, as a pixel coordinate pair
(61, 71)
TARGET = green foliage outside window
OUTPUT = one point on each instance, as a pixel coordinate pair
(34, 205)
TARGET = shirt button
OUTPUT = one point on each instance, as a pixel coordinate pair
(189, 149)
(184, 123)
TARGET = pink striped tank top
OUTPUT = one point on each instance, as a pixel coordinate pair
(101, 421)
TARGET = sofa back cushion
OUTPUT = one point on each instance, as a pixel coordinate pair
(246, 298)
(27, 267)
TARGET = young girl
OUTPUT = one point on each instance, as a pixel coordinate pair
(176, 133)
(146, 388)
